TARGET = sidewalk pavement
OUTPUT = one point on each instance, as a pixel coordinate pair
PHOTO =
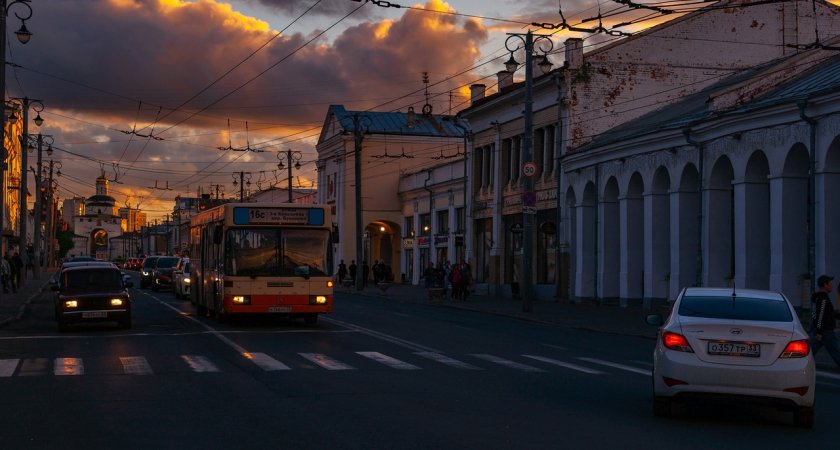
(13, 305)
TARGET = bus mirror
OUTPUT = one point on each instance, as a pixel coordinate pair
(217, 235)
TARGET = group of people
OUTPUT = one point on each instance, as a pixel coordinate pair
(10, 271)
(381, 272)
(456, 280)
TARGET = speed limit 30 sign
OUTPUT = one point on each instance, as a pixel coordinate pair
(529, 169)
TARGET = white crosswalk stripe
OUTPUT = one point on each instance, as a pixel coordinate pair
(507, 363)
(616, 365)
(326, 362)
(443, 359)
(199, 363)
(135, 365)
(266, 362)
(68, 366)
(389, 361)
(8, 366)
(565, 364)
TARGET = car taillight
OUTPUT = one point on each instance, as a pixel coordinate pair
(796, 349)
(676, 342)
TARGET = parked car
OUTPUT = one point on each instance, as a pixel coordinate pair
(162, 273)
(181, 279)
(744, 344)
(92, 294)
(147, 271)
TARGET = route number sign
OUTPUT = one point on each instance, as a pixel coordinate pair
(529, 169)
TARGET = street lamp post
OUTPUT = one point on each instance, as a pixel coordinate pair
(36, 230)
(290, 155)
(36, 106)
(529, 197)
(51, 216)
(23, 36)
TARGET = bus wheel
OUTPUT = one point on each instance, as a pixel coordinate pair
(310, 319)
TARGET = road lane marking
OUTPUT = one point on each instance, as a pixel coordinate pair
(452, 362)
(69, 366)
(135, 365)
(385, 337)
(616, 365)
(266, 362)
(565, 364)
(8, 366)
(326, 362)
(199, 363)
(833, 376)
(31, 367)
(507, 363)
(389, 361)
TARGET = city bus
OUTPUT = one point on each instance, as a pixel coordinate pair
(262, 258)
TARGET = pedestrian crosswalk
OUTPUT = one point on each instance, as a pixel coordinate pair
(136, 365)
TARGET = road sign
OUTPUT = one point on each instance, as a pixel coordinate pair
(529, 169)
(529, 210)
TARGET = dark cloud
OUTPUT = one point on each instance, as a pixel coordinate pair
(109, 66)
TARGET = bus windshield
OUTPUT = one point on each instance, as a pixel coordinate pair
(277, 252)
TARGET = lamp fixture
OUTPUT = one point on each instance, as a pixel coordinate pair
(511, 64)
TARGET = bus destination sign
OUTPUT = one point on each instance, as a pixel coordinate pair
(278, 216)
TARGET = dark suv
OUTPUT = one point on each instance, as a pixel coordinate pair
(92, 294)
(147, 271)
(162, 274)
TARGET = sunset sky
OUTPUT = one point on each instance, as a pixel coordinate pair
(193, 73)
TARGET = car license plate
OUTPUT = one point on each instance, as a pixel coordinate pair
(94, 315)
(279, 309)
(729, 348)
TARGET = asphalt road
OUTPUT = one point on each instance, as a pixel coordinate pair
(374, 374)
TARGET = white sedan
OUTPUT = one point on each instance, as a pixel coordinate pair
(745, 344)
(181, 279)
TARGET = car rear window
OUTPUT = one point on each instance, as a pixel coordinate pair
(736, 308)
(165, 263)
(108, 280)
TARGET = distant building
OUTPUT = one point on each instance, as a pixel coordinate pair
(96, 223)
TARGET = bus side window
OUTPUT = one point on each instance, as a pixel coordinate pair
(217, 235)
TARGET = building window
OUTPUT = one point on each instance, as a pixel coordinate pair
(408, 226)
(425, 224)
(460, 220)
(443, 222)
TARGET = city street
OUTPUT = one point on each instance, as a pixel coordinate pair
(374, 374)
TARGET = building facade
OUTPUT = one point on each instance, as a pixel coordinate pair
(97, 225)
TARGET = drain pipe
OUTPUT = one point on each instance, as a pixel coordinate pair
(698, 271)
(812, 188)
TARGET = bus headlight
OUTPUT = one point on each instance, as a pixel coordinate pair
(71, 304)
(241, 300)
(317, 299)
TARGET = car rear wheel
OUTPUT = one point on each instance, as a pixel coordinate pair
(803, 417)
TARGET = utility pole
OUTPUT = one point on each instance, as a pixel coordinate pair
(241, 186)
(358, 137)
(36, 230)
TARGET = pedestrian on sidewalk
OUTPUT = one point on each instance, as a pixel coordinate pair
(447, 273)
(5, 273)
(822, 320)
(466, 279)
(353, 270)
(457, 282)
(342, 272)
(17, 265)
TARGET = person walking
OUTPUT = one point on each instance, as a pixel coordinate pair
(365, 273)
(822, 320)
(16, 264)
(5, 273)
(342, 271)
(352, 270)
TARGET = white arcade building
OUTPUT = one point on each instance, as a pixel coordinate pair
(96, 223)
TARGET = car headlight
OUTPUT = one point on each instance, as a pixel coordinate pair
(71, 304)
(145, 273)
(117, 302)
(187, 280)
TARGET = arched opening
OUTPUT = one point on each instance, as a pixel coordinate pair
(658, 236)
(381, 245)
(719, 261)
(586, 261)
(752, 225)
(632, 234)
(99, 244)
(686, 260)
(827, 213)
(609, 258)
(789, 225)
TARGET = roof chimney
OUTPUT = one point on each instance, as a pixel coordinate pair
(476, 93)
(505, 79)
(410, 117)
(574, 53)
